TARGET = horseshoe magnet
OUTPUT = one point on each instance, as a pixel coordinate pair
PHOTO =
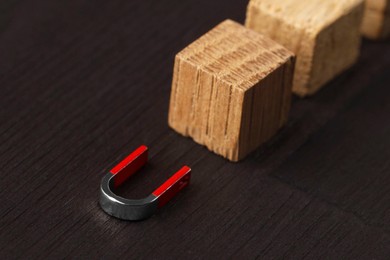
(129, 209)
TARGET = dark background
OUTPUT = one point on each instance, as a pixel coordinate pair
(84, 83)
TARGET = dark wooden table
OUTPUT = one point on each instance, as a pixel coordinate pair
(83, 83)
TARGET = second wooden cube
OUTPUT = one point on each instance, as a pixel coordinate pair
(325, 35)
(376, 22)
(231, 90)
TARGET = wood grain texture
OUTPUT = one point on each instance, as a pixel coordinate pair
(231, 90)
(84, 83)
(324, 35)
(376, 21)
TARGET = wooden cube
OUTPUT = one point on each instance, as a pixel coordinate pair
(231, 90)
(376, 21)
(324, 35)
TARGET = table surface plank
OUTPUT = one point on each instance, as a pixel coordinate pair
(83, 83)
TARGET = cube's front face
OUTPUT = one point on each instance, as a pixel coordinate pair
(206, 108)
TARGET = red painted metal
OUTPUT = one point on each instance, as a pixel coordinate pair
(133, 162)
(173, 185)
(130, 165)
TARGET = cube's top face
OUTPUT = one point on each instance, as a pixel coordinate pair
(235, 55)
(310, 15)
